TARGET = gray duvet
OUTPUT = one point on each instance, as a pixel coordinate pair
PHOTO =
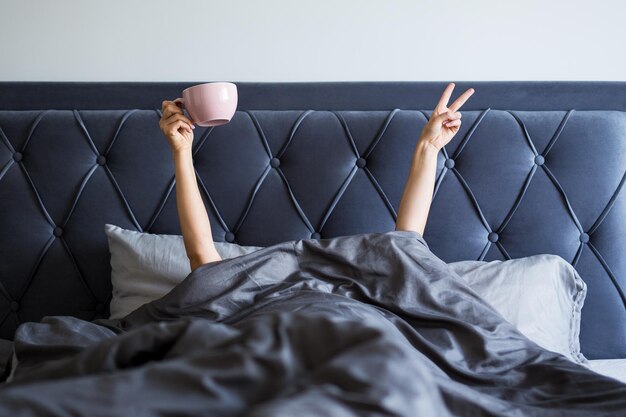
(365, 325)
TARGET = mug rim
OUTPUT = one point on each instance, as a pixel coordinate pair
(223, 83)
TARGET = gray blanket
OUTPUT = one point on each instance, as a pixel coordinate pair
(365, 325)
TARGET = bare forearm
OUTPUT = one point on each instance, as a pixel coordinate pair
(193, 218)
(441, 127)
(418, 191)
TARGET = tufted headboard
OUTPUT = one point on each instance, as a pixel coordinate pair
(537, 167)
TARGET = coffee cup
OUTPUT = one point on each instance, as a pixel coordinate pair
(210, 104)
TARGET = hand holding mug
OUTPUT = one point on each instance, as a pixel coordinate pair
(210, 104)
(177, 128)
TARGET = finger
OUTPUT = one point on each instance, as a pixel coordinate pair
(169, 112)
(166, 103)
(453, 123)
(176, 126)
(172, 118)
(179, 116)
(170, 104)
(174, 108)
(451, 120)
(461, 100)
(171, 109)
(176, 118)
(445, 97)
(447, 115)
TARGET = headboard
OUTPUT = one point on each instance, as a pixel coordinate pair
(537, 167)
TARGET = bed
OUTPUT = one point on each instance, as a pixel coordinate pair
(538, 167)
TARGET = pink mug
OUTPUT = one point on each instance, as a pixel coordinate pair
(210, 104)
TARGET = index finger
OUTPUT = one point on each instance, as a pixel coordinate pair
(169, 108)
(461, 100)
(167, 103)
(445, 97)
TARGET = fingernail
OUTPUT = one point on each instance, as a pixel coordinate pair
(193, 126)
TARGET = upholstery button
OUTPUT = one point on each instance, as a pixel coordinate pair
(58, 231)
(275, 162)
(584, 237)
(361, 162)
(17, 156)
(101, 160)
(315, 235)
(230, 237)
(99, 308)
(539, 160)
(493, 237)
(15, 306)
(449, 163)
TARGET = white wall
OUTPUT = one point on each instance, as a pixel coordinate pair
(332, 40)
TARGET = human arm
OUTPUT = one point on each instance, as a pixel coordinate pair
(192, 215)
(418, 190)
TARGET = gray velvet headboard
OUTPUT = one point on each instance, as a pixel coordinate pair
(538, 167)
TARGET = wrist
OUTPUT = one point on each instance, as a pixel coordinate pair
(425, 148)
(181, 153)
(182, 156)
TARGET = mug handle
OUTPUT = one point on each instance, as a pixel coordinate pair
(181, 103)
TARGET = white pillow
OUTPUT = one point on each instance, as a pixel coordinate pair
(147, 266)
(541, 295)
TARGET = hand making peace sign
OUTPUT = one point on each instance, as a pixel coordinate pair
(445, 121)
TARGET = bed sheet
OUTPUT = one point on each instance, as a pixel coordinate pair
(615, 368)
